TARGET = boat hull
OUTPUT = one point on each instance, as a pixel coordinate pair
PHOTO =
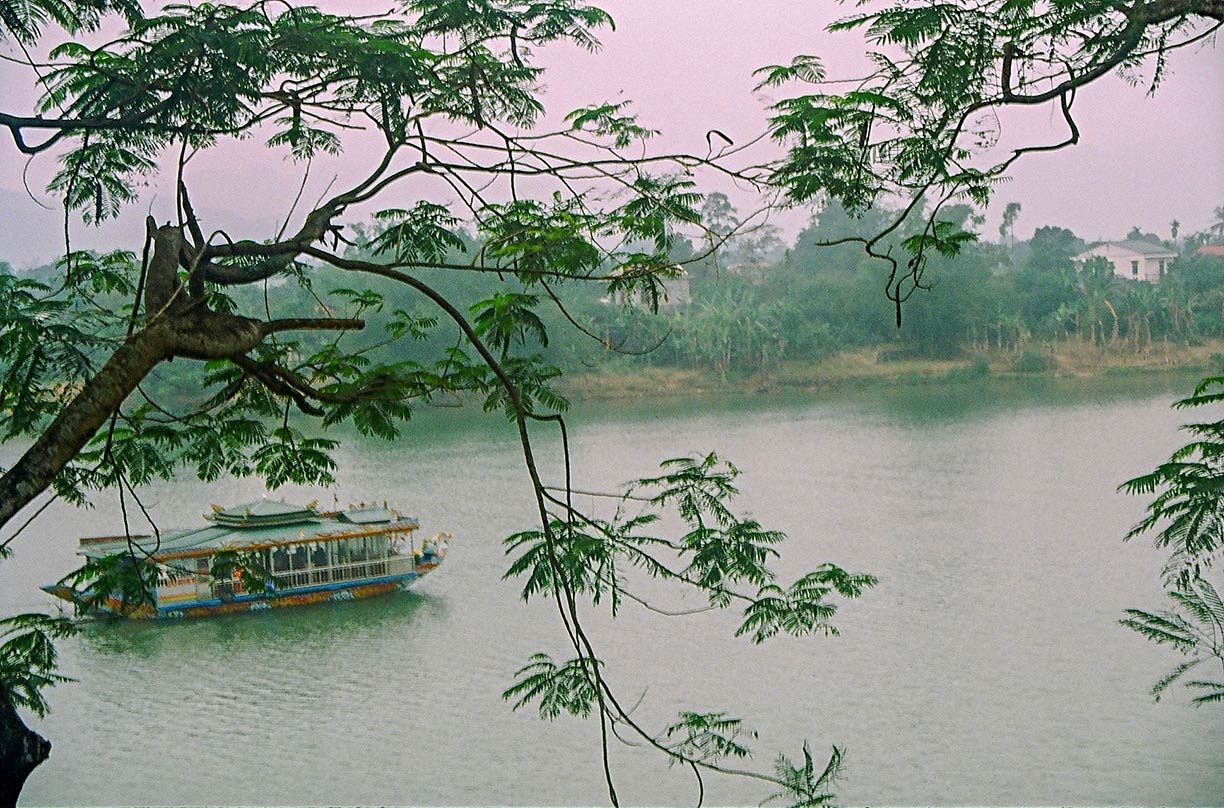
(257, 602)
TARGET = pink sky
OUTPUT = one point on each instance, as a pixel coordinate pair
(687, 66)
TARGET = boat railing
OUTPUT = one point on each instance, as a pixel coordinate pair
(333, 573)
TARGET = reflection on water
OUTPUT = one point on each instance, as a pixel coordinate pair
(341, 627)
(987, 668)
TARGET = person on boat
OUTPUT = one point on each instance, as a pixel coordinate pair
(280, 560)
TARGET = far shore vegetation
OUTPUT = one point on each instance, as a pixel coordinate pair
(871, 366)
(753, 314)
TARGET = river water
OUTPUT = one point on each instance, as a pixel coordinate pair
(986, 668)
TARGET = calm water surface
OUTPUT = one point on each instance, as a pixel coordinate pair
(987, 667)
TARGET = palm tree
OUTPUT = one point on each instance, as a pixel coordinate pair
(1141, 302)
(1097, 283)
(1008, 228)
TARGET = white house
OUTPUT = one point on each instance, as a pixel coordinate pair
(1137, 260)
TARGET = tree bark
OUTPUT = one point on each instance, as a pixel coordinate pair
(76, 423)
(21, 750)
(176, 325)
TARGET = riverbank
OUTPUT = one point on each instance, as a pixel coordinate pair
(879, 364)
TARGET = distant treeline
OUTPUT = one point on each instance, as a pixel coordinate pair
(762, 304)
(754, 302)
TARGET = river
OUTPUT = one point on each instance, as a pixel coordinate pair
(987, 667)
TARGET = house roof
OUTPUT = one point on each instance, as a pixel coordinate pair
(201, 541)
(1133, 246)
(1144, 247)
(1211, 249)
(1128, 246)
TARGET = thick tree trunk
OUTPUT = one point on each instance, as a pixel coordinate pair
(77, 423)
(21, 750)
(177, 326)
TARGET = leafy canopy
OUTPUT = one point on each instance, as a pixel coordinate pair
(922, 125)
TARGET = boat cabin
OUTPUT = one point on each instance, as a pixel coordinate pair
(299, 549)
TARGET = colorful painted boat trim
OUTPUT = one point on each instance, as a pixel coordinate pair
(306, 556)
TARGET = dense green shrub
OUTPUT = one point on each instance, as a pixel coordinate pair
(976, 368)
(1032, 360)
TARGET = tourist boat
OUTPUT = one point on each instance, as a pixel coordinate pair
(302, 555)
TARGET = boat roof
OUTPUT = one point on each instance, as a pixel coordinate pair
(289, 525)
(263, 512)
(366, 516)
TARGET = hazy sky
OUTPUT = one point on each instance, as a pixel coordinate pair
(687, 65)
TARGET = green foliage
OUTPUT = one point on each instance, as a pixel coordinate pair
(585, 561)
(934, 66)
(610, 121)
(719, 553)
(509, 317)
(1007, 227)
(197, 73)
(707, 737)
(288, 456)
(24, 20)
(802, 786)
(801, 68)
(1186, 515)
(426, 233)
(1187, 511)
(1052, 248)
(537, 240)
(245, 567)
(976, 369)
(801, 609)
(28, 661)
(129, 578)
(944, 237)
(1195, 628)
(1032, 360)
(567, 688)
(49, 336)
(923, 123)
